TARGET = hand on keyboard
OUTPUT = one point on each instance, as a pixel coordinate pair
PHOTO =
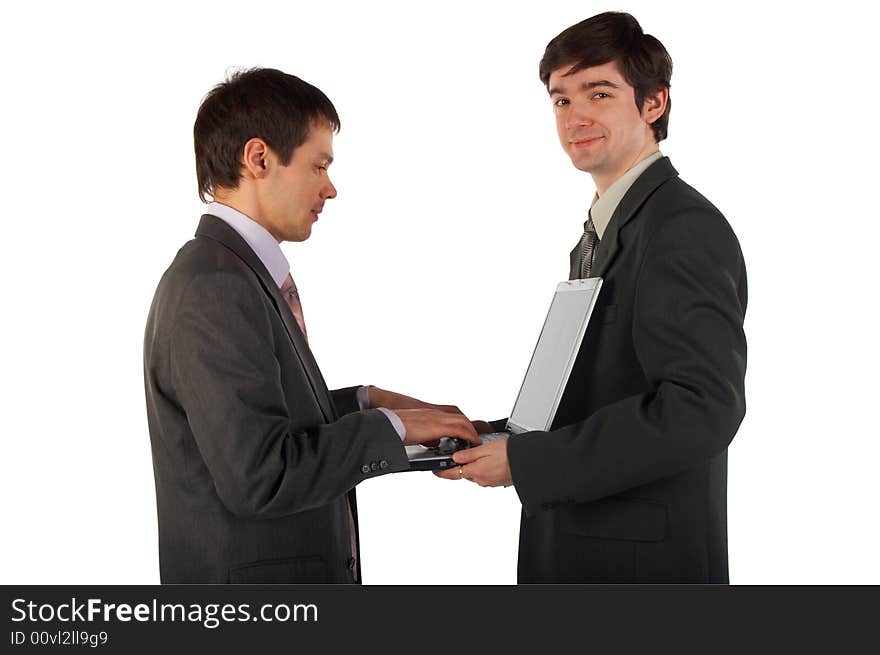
(449, 445)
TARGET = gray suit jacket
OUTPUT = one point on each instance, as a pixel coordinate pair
(253, 456)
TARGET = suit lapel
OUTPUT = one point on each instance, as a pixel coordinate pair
(574, 262)
(216, 229)
(648, 182)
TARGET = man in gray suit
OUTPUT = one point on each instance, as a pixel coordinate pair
(255, 460)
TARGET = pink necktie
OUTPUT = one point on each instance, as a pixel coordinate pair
(291, 295)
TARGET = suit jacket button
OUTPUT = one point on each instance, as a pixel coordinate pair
(383, 464)
(365, 469)
(374, 466)
(351, 564)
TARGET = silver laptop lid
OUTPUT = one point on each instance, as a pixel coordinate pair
(554, 355)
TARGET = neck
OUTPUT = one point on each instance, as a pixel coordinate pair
(247, 203)
(603, 180)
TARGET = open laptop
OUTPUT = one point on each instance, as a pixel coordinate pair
(545, 379)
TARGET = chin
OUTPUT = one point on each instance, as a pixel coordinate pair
(589, 164)
(584, 166)
(295, 237)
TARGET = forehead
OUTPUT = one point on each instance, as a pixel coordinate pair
(320, 139)
(561, 81)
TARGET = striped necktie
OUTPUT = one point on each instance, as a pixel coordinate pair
(291, 295)
(588, 247)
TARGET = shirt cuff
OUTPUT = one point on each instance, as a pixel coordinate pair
(395, 421)
(363, 398)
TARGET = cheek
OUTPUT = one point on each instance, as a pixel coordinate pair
(629, 124)
(561, 132)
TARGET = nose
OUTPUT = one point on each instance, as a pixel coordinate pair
(579, 115)
(329, 191)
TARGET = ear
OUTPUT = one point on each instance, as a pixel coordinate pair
(255, 158)
(655, 105)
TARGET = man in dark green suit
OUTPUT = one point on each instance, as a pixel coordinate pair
(630, 483)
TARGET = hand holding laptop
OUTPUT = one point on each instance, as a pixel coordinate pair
(486, 465)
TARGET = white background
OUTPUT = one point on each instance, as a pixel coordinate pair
(455, 203)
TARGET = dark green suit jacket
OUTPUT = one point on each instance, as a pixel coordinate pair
(630, 484)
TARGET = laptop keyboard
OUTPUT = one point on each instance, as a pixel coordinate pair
(449, 445)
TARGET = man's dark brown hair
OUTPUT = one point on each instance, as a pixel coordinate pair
(618, 37)
(260, 102)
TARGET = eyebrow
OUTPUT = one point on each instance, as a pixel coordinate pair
(326, 157)
(587, 86)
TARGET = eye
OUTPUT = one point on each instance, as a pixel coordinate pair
(560, 102)
(601, 95)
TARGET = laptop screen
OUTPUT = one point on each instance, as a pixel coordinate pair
(554, 355)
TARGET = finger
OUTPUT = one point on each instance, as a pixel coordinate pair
(469, 455)
(482, 427)
(454, 473)
(464, 430)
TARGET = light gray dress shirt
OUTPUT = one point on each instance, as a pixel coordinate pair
(604, 205)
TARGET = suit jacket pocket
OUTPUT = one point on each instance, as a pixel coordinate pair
(615, 518)
(293, 570)
(605, 314)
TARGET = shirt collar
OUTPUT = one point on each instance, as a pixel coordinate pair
(604, 205)
(257, 237)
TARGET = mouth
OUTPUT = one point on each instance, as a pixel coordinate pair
(584, 142)
(315, 212)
